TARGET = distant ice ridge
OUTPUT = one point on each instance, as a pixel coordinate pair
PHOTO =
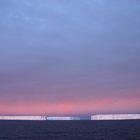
(22, 117)
(115, 117)
(63, 118)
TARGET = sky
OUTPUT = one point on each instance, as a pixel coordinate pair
(69, 57)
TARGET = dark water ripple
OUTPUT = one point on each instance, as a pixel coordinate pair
(70, 130)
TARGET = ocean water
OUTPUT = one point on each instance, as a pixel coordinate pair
(70, 130)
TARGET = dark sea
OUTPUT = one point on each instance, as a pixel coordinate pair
(70, 130)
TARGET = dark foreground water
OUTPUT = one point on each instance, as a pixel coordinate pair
(70, 130)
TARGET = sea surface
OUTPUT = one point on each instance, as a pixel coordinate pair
(70, 130)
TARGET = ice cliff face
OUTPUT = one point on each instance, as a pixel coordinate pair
(115, 117)
(63, 118)
(37, 118)
(22, 117)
